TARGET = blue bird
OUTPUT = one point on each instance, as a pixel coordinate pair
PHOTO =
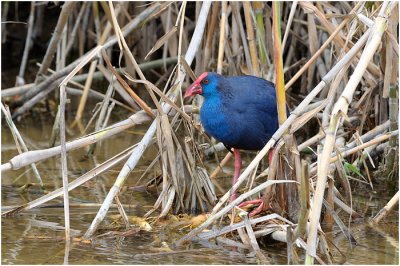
(239, 111)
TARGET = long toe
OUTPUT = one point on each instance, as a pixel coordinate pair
(257, 210)
(252, 202)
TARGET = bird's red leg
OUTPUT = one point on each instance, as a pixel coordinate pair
(270, 155)
(236, 173)
(259, 202)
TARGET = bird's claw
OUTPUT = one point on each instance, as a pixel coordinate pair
(257, 210)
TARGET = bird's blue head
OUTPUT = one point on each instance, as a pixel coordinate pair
(206, 85)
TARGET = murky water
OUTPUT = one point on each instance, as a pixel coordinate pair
(35, 236)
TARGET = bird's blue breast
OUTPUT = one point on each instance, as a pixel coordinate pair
(214, 120)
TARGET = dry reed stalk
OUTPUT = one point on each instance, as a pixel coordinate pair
(221, 44)
(272, 171)
(122, 213)
(61, 48)
(236, 15)
(95, 8)
(304, 211)
(36, 98)
(394, 43)
(346, 208)
(388, 67)
(136, 155)
(229, 242)
(237, 53)
(180, 19)
(125, 85)
(105, 35)
(210, 34)
(366, 144)
(162, 41)
(64, 169)
(168, 156)
(291, 53)
(9, 92)
(392, 154)
(162, 96)
(340, 110)
(269, 41)
(81, 34)
(67, 249)
(386, 210)
(63, 18)
(72, 36)
(251, 38)
(328, 201)
(313, 43)
(79, 205)
(232, 227)
(198, 67)
(85, 93)
(214, 149)
(72, 81)
(133, 106)
(5, 8)
(109, 108)
(172, 45)
(101, 121)
(289, 23)
(19, 141)
(224, 161)
(253, 240)
(56, 128)
(20, 78)
(122, 91)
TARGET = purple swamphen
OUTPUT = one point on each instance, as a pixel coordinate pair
(238, 111)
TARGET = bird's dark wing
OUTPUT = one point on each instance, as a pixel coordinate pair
(251, 106)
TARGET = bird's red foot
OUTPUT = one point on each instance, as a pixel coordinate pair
(257, 210)
(270, 155)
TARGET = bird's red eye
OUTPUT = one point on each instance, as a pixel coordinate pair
(205, 81)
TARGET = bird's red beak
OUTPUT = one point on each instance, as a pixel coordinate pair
(195, 88)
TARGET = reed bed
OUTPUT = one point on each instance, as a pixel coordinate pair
(335, 65)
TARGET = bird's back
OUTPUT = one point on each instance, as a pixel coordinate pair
(244, 116)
